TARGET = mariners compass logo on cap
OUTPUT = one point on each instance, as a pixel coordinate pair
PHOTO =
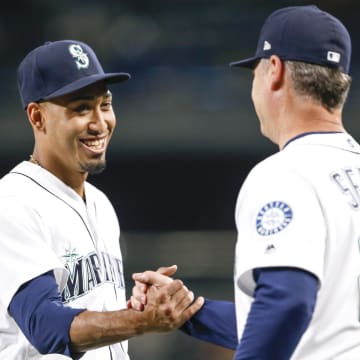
(81, 59)
(59, 68)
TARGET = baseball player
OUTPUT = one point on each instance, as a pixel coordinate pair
(297, 263)
(63, 291)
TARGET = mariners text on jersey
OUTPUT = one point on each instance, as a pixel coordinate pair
(87, 272)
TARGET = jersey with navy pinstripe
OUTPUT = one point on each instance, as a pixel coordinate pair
(46, 225)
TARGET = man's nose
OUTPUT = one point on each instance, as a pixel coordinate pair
(97, 122)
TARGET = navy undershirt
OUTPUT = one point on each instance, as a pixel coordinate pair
(40, 314)
(280, 314)
(215, 322)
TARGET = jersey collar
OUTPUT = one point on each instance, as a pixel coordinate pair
(341, 140)
(48, 181)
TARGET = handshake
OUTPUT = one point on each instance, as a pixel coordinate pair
(166, 303)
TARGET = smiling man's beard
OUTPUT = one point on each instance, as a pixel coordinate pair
(93, 168)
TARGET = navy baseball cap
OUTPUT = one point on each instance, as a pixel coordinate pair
(306, 34)
(58, 68)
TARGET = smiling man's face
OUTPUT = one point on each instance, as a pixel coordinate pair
(78, 128)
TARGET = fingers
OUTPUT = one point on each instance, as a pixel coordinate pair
(166, 294)
(168, 270)
(142, 282)
(170, 306)
(135, 304)
(138, 298)
(139, 291)
(174, 287)
(166, 303)
(128, 304)
(192, 310)
(182, 299)
(152, 278)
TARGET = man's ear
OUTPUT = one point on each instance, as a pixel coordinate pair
(277, 71)
(36, 117)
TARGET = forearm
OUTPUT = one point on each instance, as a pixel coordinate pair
(167, 309)
(93, 329)
(52, 327)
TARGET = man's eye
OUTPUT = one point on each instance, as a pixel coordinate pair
(81, 108)
(107, 104)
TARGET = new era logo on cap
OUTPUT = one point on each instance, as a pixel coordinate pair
(267, 45)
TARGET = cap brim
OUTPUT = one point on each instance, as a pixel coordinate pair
(86, 81)
(246, 63)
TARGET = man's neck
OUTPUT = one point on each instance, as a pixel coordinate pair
(307, 119)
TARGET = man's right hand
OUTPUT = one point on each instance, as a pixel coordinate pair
(169, 304)
(144, 280)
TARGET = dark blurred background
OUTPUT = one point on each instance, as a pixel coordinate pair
(187, 134)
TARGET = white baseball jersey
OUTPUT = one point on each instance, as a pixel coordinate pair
(46, 225)
(301, 208)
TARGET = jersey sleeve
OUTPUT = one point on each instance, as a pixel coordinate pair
(280, 223)
(215, 322)
(279, 315)
(24, 250)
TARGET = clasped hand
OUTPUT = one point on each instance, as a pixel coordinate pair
(168, 302)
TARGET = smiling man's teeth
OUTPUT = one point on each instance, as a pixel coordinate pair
(95, 144)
